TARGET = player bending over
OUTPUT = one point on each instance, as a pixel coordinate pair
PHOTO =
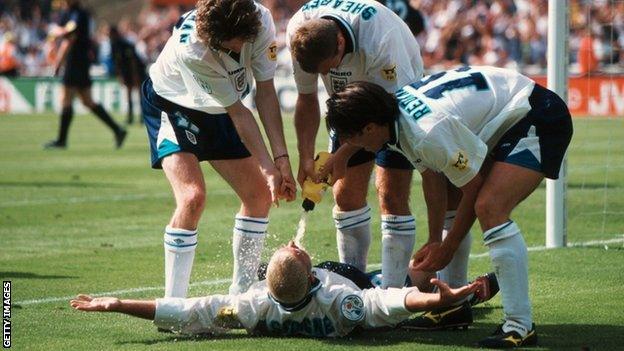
(295, 299)
(193, 112)
(493, 133)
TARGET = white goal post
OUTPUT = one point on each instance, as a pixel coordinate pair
(557, 60)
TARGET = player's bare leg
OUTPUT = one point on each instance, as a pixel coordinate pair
(352, 215)
(398, 227)
(251, 222)
(180, 240)
(505, 187)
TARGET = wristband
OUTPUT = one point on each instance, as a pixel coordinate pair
(280, 156)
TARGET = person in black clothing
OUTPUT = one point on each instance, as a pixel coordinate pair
(409, 14)
(76, 53)
(129, 67)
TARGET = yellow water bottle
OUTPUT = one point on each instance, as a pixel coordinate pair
(313, 192)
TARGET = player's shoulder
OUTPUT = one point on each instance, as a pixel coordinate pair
(349, 11)
(266, 17)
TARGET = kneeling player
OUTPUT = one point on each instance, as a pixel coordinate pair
(495, 134)
(295, 299)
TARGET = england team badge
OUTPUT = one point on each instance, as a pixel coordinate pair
(352, 308)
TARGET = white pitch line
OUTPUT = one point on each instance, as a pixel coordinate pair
(118, 292)
(580, 244)
(111, 198)
(224, 280)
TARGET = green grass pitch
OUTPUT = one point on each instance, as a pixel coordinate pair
(90, 220)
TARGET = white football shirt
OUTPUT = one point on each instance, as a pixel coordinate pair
(382, 47)
(191, 74)
(450, 120)
(336, 306)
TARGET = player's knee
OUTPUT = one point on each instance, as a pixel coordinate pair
(257, 203)
(486, 207)
(491, 211)
(349, 201)
(193, 201)
(392, 202)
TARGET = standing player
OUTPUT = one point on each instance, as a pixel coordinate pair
(76, 53)
(129, 67)
(193, 112)
(495, 134)
(345, 41)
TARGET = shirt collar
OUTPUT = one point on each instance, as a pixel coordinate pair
(297, 306)
(347, 31)
(394, 134)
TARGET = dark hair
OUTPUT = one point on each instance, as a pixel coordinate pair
(221, 20)
(314, 41)
(358, 104)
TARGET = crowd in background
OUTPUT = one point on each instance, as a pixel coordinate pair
(506, 33)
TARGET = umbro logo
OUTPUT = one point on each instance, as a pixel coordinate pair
(191, 137)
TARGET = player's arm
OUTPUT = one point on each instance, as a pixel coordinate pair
(206, 80)
(452, 149)
(418, 301)
(434, 191)
(249, 132)
(307, 120)
(214, 313)
(145, 309)
(66, 44)
(271, 117)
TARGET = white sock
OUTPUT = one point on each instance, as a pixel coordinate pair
(455, 274)
(179, 253)
(398, 234)
(509, 257)
(247, 244)
(353, 236)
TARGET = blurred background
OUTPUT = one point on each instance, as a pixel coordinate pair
(506, 33)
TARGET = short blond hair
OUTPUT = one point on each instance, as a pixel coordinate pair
(287, 278)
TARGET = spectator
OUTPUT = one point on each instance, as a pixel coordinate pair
(9, 59)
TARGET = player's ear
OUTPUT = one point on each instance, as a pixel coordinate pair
(340, 42)
(369, 128)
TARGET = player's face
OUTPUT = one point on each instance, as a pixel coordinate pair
(326, 65)
(333, 62)
(372, 138)
(301, 255)
(235, 45)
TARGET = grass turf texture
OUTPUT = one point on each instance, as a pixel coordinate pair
(90, 219)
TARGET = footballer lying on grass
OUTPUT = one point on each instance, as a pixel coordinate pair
(295, 299)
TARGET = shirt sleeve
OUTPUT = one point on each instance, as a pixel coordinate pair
(390, 67)
(451, 148)
(307, 83)
(214, 314)
(373, 308)
(264, 57)
(204, 80)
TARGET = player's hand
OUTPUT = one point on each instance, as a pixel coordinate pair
(448, 295)
(97, 304)
(334, 169)
(57, 70)
(274, 182)
(288, 187)
(306, 170)
(432, 257)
